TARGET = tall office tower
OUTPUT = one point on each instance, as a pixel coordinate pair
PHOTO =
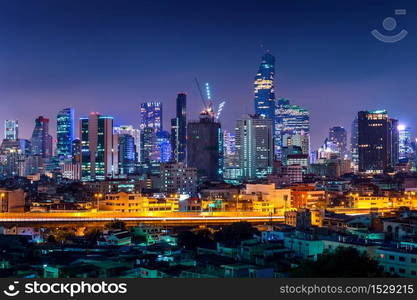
(354, 150)
(264, 87)
(254, 146)
(289, 120)
(65, 132)
(338, 136)
(98, 149)
(377, 141)
(163, 140)
(151, 116)
(41, 140)
(179, 129)
(11, 130)
(203, 147)
(76, 151)
(405, 143)
(148, 147)
(229, 148)
(130, 130)
(127, 154)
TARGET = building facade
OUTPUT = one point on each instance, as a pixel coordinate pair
(65, 132)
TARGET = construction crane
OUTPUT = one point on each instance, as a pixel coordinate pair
(219, 110)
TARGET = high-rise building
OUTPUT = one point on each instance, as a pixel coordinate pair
(98, 147)
(405, 143)
(338, 136)
(178, 178)
(11, 130)
(65, 132)
(378, 141)
(76, 151)
(289, 120)
(151, 115)
(229, 148)
(127, 154)
(354, 150)
(254, 146)
(163, 140)
(264, 87)
(41, 140)
(130, 130)
(204, 150)
(179, 130)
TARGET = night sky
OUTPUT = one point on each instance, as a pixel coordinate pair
(109, 56)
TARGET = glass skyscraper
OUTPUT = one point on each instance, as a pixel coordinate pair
(338, 136)
(264, 87)
(41, 140)
(289, 120)
(151, 115)
(65, 132)
(11, 130)
(405, 143)
(127, 154)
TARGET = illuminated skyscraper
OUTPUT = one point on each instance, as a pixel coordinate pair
(338, 136)
(289, 120)
(354, 151)
(41, 140)
(378, 141)
(98, 147)
(65, 132)
(151, 115)
(264, 87)
(405, 143)
(204, 147)
(11, 130)
(163, 140)
(179, 129)
(127, 154)
(130, 130)
(254, 146)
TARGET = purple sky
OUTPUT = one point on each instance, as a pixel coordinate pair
(110, 57)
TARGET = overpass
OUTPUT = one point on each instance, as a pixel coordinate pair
(160, 218)
(53, 219)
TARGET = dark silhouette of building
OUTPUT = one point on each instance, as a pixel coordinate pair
(378, 141)
(41, 140)
(179, 130)
(204, 147)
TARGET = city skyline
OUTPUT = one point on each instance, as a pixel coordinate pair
(371, 78)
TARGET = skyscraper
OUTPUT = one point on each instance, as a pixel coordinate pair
(264, 87)
(354, 151)
(151, 115)
(254, 146)
(127, 154)
(289, 120)
(338, 136)
(163, 140)
(98, 148)
(130, 130)
(11, 130)
(65, 132)
(405, 143)
(377, 141)
(179, 129)
(41, 140)
(203, 147)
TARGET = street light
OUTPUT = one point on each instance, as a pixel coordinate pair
(98, 196)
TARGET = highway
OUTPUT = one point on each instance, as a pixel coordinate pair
(165, 218)
(45, 219)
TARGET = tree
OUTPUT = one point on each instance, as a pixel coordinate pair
(234, 234)
(193, 240)
(343, 262)
(115, 224)
(92, 235)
